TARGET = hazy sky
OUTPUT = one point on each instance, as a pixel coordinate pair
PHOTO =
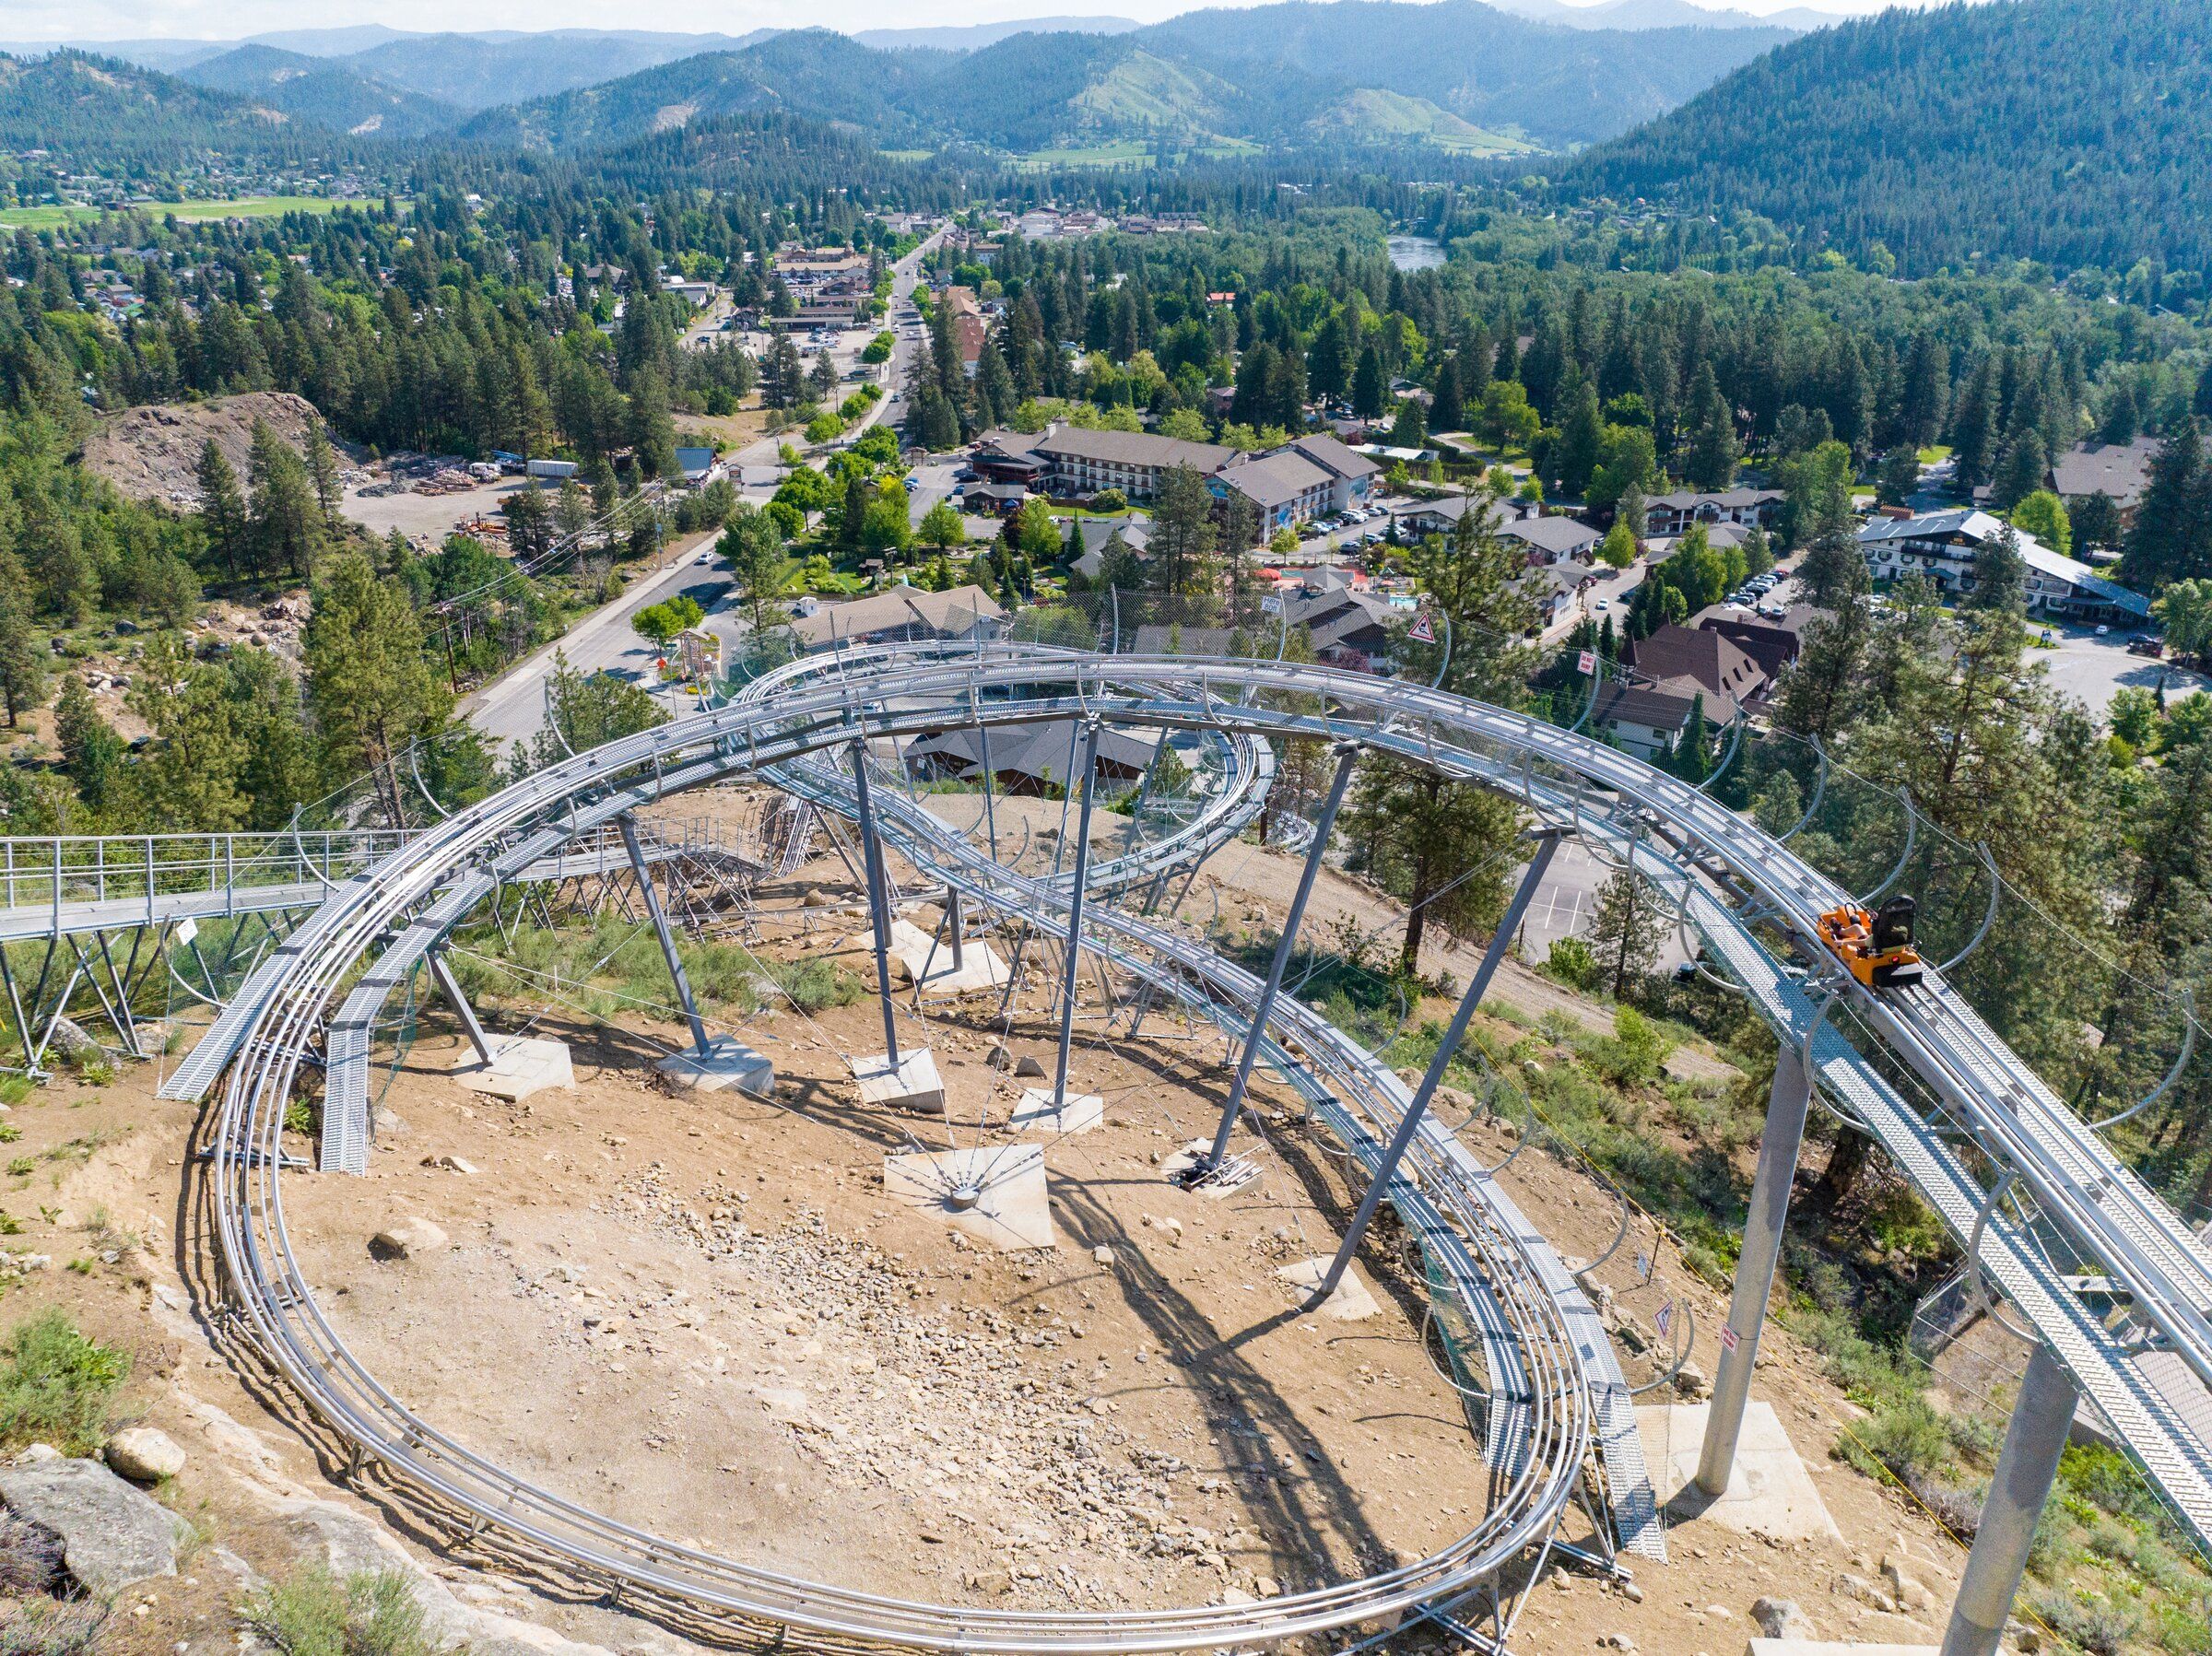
(228, 19)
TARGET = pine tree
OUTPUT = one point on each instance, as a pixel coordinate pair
(1369, 384)
(2019, 469)
(1627, 927)
(322, 472)
(222, 508)
(1709, 462)
(1448, 413)
(368, 684)
(23, 655)
(92, 754)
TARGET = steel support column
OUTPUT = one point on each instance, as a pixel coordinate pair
(1547, 842)
(660, 926)
(879, 907)
(1778, 1146)
(1089, 777)
(442, 974)
(2026, 1467)
(1347, 754)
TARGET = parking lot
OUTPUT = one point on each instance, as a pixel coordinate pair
(2088, 669)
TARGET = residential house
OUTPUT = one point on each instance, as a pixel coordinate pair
(1773, 643)
(1083, 463)
(1556, 589)
(1349, 628)
(697, 464)
(903, 614)
(1692, 662)
(2121, 470)
(1669, 515)
(964, 320)
(1646, 723)
(1092, 533)
(1943, 546)
(1030, 758)
(1550, 540)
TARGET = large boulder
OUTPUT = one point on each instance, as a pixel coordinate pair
(112, 1535)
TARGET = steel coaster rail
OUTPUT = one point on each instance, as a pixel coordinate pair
(2073, 1176)
(251, 1217)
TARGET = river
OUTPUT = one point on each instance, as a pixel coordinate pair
(1416, 253)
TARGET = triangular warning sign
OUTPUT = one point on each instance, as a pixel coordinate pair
(1424, 630)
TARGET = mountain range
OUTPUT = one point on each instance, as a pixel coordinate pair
(1468, 75)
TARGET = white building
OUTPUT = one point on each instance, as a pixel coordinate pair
(1941, 546)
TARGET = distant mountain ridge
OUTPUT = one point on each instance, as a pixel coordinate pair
(1260, 74)
(322, 90)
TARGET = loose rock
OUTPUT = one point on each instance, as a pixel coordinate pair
(145, 1454)
(406, 1239)
(1781, 1618)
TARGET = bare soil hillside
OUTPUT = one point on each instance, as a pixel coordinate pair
(153, 452)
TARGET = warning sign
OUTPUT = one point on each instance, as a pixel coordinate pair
(1727, 1338)
(1423, 630)
(1664, 1321)
(1586, 663)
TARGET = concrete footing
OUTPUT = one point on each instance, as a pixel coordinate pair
(520, 1065)
(1770, 1493)
(726, 1063)
(911, 1084)
(1239, 1172)
(919, 952)
(1078, 1112)
(1351, 1300)
(1830, 1647)
(995, 1193)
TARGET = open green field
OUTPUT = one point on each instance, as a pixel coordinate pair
(1121, 152)
(244, 207)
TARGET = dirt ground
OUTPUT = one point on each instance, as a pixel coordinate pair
(430, 518)
(152, 452)
(704, 1315)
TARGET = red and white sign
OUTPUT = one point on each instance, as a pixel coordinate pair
(1727, 1338)
(1423, 630)
(1586, 662)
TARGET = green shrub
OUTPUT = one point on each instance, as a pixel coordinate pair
(2096, 1625)
(312, 1613)
(1572, 964)
(56, 1386)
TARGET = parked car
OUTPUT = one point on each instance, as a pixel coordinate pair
(2147, 646)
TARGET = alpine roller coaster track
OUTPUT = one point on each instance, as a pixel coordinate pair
(1556, 1391)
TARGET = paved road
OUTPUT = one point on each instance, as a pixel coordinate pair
(513, 706)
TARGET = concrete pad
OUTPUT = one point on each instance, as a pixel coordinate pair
(1079, 1112)
(1831, 1647)
(1012, 1212)
(728, 1063)
(911, 1084)
(1770, 1494)
(979, 967)
(1353, 1300)
(520, 1065)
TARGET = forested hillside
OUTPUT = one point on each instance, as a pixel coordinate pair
(325, 93)
(2076, 132)
(102, 112)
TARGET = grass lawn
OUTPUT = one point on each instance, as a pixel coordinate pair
(190, 212)
(731, 430)
(1933, 453)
